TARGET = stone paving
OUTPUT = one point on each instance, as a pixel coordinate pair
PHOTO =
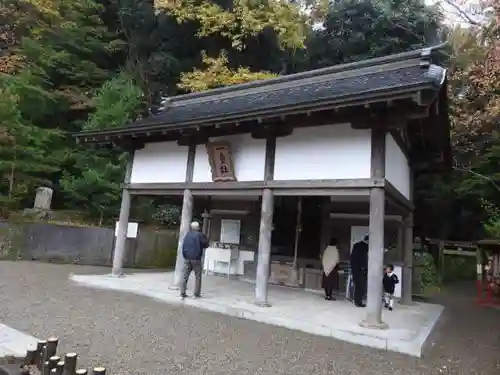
(409, 326)
(131, 334)
(14, 343)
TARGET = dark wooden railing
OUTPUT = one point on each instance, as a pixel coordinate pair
(45, 361)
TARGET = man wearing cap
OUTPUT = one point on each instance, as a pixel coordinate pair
(192, 250)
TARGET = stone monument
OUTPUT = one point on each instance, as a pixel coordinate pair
(43, 199)
(41, 207)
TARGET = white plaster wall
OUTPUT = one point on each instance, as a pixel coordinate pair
(161, 162)
(248, 158)
(397, 169)
(323, 152)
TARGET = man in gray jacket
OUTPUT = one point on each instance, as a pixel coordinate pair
(192, 250)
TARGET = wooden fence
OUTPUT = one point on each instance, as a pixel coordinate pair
(45, 361)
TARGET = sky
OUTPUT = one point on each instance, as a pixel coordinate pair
(452, 15)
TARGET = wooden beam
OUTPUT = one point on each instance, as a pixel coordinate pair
(324, 192)
(396, 135)
(360, 183)
(348, 216)
(359, 115)
(190, 162)
(397, 198)
(270, 158)
(390, 119)
(157, 192)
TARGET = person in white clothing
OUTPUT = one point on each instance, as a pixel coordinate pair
(330, 260)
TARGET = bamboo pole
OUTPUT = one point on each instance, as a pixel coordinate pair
(53, 361)
(40, 348)
(30, 357)
(49, 351)
(70, 364)
(60, 367)
(46, 368)
(52, 346)
(99, 371)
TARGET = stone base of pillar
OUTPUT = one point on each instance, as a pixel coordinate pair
(117, 274)
(262, 304)
(371, 324)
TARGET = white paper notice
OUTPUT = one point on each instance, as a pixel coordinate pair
(230, 231)
(132, 229)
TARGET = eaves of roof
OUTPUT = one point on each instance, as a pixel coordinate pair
(392, 77)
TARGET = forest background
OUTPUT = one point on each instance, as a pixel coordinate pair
(69, 65)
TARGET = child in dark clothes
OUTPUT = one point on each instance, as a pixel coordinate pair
(390, 281)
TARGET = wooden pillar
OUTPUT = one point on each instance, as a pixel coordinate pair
(264, 256)
(407, 272)
(326, 227)
(205, 224)
(406, 287)
(298, 230)
(376, 244)
(186, 218)
(121, 233)
(400, 241)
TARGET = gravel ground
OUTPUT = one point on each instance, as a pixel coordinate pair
(136, 335)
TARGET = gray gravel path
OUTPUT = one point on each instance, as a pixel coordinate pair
(136, 335)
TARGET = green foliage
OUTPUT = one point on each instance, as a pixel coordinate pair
(163, 257)
(94, 182)
(459, 268)
(356, 30)
(98, 64)
(429, 280)
(25, 159)
(217, 74)
(11, 242)
(116, 103)
(492, 223)
(241, 19)
(168, 216)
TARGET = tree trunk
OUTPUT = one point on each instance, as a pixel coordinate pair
(11, 179)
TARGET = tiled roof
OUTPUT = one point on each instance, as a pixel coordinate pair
(301, 93)
(333, 86)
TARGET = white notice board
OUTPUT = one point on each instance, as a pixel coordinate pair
(358, 233)
(132, 229)
(230, 231)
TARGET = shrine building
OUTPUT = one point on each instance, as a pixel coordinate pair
(277, 168)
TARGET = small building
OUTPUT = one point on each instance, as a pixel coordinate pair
(279, 167)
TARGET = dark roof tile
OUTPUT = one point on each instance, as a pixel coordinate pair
(410, 71)
(328, 89)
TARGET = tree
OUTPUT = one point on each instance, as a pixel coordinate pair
(25, 158)
(217, 74)
(94, 181)
(240, 38)
(355, 30)
(469, 195)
